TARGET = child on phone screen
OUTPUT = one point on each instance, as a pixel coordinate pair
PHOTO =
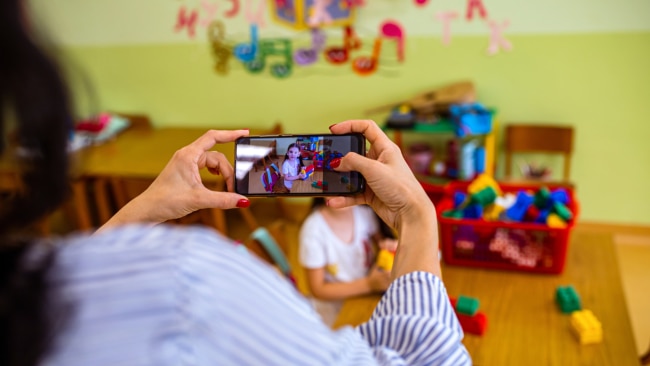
(292, 165)
(338, 249)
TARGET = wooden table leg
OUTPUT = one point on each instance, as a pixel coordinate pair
(80, 202)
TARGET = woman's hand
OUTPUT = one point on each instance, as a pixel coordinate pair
(178, 189)
(392, 189)
(395, 195)
(378, 279)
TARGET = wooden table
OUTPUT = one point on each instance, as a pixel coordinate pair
(525, 326)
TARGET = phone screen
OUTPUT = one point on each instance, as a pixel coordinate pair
(296, 165)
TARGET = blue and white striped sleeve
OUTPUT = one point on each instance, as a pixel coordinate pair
(415, 324)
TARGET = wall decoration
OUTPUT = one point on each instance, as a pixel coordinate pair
(393, 30)
(340, 54)
(220, 50)
(446, 17)
(304, 14)
(308, 56)
(475, 5)
(496, 37)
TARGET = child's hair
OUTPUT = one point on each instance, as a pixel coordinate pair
(286, 155)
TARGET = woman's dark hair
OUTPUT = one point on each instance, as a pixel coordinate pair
(34, 96)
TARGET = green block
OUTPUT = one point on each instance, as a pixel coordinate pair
(485, 196)
(567, 299)
(542, 197)
(467, 305)
(562, 211)
(453, 214)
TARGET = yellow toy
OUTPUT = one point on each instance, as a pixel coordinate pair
(385, 260)
(586, 327)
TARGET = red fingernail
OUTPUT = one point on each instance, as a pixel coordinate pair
(247, 129)
(333, 125)
(243, 203)
(335, 163)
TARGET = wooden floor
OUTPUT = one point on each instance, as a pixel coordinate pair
(633, 250)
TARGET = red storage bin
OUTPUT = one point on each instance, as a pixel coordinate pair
(519, 246)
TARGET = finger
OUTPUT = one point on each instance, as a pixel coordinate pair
(368, 128)
(221, 200)
(367, 167)
(213, 137)
(217, 163)
(346, 201)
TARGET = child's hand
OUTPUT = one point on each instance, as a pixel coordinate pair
(302, 175)
(388, 244)
(378, 279)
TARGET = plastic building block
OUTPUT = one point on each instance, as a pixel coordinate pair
(385, 260)
(542, 198)
(459, 199)
(453, 214)
(567, 299)
(473, 211)
(560, 195)
(518, 210)
(485, 196)
(562, 211)
(554, 221)
(492, 212)
(476, 324)
(467, 305)
(308, 171)
(473, 324)
(345, 179)
(320, 184)
(483, 181)
(586, 327)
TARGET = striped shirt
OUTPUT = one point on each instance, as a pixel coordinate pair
(187, 296)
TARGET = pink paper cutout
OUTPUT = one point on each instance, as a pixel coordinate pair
(394, 30)
(234, 10)
(320, 15)
(355, 3)
(185, 20)
(496, 37)
(446, 17)
(211, 10)
(421, 2)
(308, 56)
(258, 17)
(478, 5)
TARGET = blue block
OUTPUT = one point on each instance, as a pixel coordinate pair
(459, 198)
(473, 211)
(560, 195)
(518, 210)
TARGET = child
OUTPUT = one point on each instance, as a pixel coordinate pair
(337, 251)
(292, 165)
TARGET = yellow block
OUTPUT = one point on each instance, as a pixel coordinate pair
(483, 181)
(586, 327)
(555, 221)
(385, 259)
(492, 212)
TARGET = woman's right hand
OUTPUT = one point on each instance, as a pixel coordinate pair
(392, 190)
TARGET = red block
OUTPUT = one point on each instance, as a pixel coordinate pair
(473, 324)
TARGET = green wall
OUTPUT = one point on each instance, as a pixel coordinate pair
(600, 83)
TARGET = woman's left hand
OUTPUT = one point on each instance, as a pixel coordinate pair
(178, 189)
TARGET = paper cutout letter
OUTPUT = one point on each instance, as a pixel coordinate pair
(393, 30)
(185, 20)
(319, 14)
(478, 5)
(308, 56)
(421, 2)
(211, 12)
(446, 17)
(258, 16)
(234, 10)
(246, 52)
(496, 37)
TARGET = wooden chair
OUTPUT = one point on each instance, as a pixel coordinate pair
(534, 138)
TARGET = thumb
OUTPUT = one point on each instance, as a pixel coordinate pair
(224, 200)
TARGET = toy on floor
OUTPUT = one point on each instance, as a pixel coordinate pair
(270, 177)
(567, 299)
(586, 327)
(471, 320)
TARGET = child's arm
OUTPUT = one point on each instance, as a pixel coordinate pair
(376, 281)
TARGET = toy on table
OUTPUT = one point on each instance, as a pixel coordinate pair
(307, 171)
(470, 319)
(567, 299)
(385, 259)
(270, 177)
(586, 327)
(320, 185)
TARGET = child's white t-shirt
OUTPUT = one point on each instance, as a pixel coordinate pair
(343, 262)
(289, 169)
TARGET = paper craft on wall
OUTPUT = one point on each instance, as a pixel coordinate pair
(304, 14)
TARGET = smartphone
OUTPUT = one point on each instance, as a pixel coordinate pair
(296, 165)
